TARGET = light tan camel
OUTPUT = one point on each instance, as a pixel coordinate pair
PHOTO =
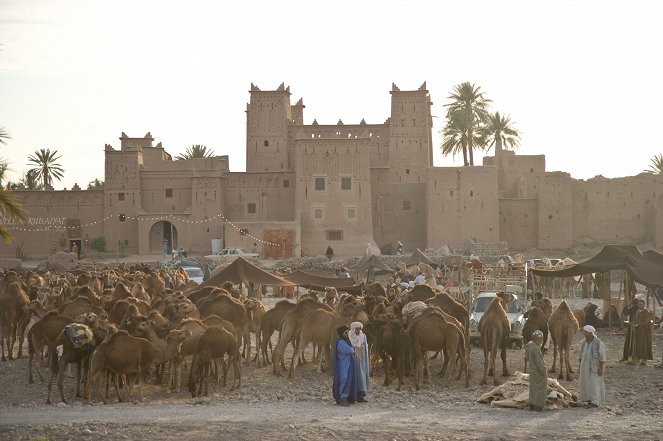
(43, 333)
(494, 328)
(563, 327)
(213, 344)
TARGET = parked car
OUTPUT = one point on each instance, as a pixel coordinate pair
(234, 253)
(514, 312)
(196, 274)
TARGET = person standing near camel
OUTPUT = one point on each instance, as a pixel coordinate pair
(344, 387)
(641, 351)
(592, 366)
(538, 378)
(359, 344)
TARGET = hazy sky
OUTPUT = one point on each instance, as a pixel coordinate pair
(581, 79)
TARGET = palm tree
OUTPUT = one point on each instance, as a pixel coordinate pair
(499, 131)
(656, 167)
(46, 168)
(469, 104)
(4, 134)
(10, 208)
(196, 151)
(454, 138)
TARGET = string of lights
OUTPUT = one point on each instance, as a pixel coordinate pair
(55, 224)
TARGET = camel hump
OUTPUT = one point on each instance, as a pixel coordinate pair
(563, 306)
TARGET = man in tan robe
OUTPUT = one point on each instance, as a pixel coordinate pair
(538, 378)
(641, 351)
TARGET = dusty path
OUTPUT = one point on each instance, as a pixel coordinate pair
(279, 421)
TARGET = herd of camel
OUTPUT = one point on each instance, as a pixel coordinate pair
(142, 331)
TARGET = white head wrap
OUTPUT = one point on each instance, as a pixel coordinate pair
(537, 333)
(357, 340)
(589, 328)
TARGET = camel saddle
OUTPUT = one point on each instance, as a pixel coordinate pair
(80, 335)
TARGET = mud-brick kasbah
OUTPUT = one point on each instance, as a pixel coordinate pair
(307, 186)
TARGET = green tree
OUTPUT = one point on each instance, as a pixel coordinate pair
(95, 185)
(656, 166)
(10, 209)
(46, 168)
(467, 111)
(499, 131)
(196, 151)
(4, 135)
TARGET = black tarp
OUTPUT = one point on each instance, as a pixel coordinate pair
(644, 268)
(241, 270)
(374, 266)
(300, 278)
(419, 257)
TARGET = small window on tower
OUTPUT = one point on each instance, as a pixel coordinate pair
(407, 171)
(120, 196)
(243, 232)
(352, 213)
(346, 183)
(121, 218)
(407, 205)
(286, 183)
(251, 207)
(320, 184)
(266, 143)
(169, 192)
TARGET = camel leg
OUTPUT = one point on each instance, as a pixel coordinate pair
(2, 342)
(445, 364)
(299, 352)
(78, 379)
(52, 359)
(385, 362)
(505, 369)
(552, 369)
(12, 341)
(21, 335)
(486, 360)
(568, 366)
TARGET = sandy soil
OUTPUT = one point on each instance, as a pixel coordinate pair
(276, 408)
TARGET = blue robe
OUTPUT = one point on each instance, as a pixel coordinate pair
(344, 372)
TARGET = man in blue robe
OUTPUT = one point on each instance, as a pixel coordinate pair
(344, 388)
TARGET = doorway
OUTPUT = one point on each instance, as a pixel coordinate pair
(163, 233)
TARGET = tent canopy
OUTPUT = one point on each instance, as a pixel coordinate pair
(645, 268)
(300, 278)
(418, 257)
(373, 262)
(243, 271)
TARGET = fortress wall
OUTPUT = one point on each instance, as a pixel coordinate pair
(51, 212)
(377, 134)
(331, 214)
(462, 204)
(519, 223)
(620, 211)
(154, 195)
(272, 193)
(555, 211)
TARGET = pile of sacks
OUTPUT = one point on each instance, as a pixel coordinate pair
(515, 394)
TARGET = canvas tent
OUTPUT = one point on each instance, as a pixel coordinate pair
(373, 265)
(418, 257)
(300, 278)
(243, 271)
(644, 268)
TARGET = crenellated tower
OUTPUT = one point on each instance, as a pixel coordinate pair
(410, 125)
(268, 116)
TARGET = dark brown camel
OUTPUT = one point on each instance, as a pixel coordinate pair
(536, 321)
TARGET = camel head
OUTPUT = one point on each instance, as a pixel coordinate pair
(35, 308)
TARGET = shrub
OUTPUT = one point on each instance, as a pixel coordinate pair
(98, 244)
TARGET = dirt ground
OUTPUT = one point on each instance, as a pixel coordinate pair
(267, 407)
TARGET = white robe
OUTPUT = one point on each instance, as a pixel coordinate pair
(591, 385)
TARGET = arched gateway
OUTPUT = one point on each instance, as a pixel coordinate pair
(162, 231)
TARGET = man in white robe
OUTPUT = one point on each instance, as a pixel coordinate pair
(592, 366)
(360, 345)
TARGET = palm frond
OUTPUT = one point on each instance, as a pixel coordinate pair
(10, 208)
(4, 135)
(656, 166)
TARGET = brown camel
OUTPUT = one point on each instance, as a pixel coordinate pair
(455, 309)
(255, 310)
(315, 328)
(432, 331)
(494, 328)
(213, 344)
(124, 354)
(270, 322)
(79, 306)
(13, 316)
(536, 321)
(290, 325)
(43, 333)
(393, 343)
(227, 308)
(545, 305)
(563, 327)
(421, 293)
